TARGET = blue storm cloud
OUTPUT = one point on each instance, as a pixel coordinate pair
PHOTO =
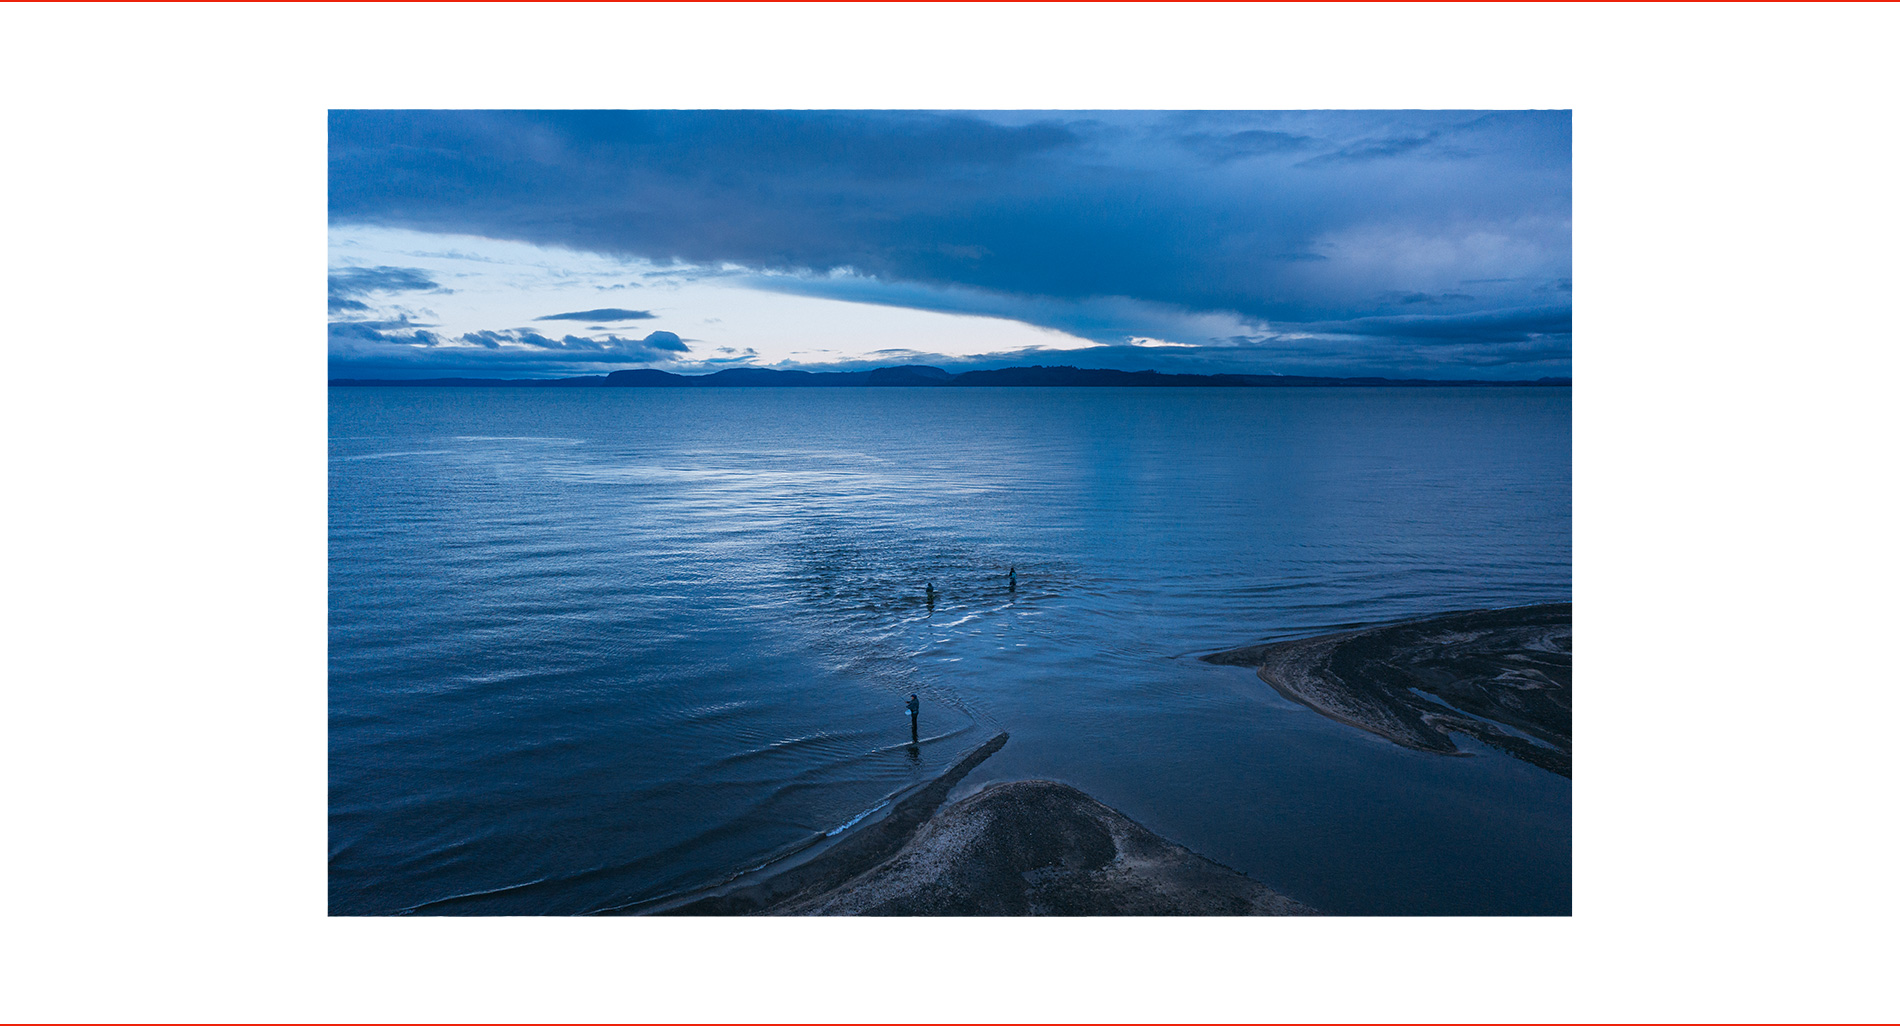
(1341, 225)
(1511, 325)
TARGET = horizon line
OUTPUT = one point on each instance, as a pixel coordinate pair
(925, 375)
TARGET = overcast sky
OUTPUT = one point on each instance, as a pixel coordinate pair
(532, 244)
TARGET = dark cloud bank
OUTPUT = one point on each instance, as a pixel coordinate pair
(1398, 243)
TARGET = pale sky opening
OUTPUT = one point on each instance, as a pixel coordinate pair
(493, 284)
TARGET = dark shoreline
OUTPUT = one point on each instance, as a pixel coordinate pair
(1032, 847)
(1501, 676)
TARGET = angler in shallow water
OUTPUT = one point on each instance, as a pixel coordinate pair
(930, 596)
(911, 708)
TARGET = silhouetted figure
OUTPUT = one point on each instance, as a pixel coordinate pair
(930, 596)
(1012, 578)
(911, 708)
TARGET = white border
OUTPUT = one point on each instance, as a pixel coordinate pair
(165, 630)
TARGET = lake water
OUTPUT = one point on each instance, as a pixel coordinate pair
(593, 647)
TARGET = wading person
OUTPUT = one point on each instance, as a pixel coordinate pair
(911, 708)
(930, 595)
(1012, 578)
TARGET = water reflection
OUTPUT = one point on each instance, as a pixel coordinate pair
(674, 640)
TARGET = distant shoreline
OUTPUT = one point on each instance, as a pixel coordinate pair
(935, 377)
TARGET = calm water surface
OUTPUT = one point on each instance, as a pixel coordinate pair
(593, 647)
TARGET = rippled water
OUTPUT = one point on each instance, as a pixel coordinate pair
(591, 647)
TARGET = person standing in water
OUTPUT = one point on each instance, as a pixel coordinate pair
(1012, 578)
(930, 596)
(911, 708)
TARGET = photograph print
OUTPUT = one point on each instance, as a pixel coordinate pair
(949, 513)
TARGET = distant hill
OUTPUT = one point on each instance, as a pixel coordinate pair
(918, 376)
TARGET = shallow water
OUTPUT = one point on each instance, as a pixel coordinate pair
(592, 647)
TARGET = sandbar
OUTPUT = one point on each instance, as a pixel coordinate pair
(1021, 848)
(1501, 676)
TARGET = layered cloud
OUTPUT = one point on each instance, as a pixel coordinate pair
(1394, 239)
(347, 284)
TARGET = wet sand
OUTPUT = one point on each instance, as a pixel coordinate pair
(1031, 847)
(859, 851)
(1501, 676)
